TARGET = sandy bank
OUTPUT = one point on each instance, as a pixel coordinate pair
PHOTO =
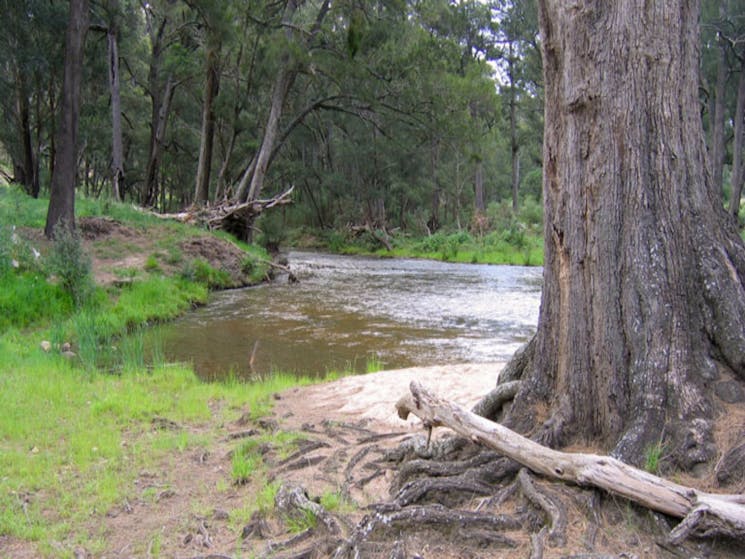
(373, 396)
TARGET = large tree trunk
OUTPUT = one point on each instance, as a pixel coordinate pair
(738, 168)
(211, 87)
(62, 199)
(643, 306)
(282, 85)
(117, 146)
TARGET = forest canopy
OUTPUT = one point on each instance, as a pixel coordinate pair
(393, 113)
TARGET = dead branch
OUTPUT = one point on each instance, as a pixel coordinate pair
(705, 514)
(220, 215)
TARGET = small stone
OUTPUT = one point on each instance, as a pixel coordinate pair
(730, 391)
(69, 354)
(66, 347)
(46, 346)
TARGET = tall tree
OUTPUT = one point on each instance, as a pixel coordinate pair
(643, 305)
(117, 143)
(62, 198)
(214, 18)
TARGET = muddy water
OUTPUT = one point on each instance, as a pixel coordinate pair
(347, 312)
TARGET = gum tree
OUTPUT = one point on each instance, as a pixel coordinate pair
(643, 307)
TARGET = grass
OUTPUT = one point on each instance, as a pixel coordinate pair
(653, 457)
(72, 435)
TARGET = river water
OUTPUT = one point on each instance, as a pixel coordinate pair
(350, 312)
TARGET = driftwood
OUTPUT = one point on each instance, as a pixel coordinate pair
(228, 215)
(703, 514)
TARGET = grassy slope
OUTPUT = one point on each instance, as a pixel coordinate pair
(73, 437)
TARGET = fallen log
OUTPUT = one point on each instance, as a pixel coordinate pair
(228, 215)
(703, 514)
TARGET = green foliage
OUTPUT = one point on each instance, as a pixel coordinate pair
(245, 462)
(272, 232)
(373, 364)
(27, 299)
(304, 520)
(151, 264)
(653, 457)
(336, 501)
(71, 266)
(199, 271)
(442, 245)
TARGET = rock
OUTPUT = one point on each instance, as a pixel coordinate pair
(46, 346)
(65, 347)
(69, 354)
(730, 391)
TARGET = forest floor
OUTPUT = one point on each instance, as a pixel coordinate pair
(339, 441)
(346, 431)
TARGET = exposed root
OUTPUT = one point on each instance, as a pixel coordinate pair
(293, 501)
(551, 506)
(491, 405)
(472, 527)
(433, 468)
(450, 491)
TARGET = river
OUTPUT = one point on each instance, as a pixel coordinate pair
(351, 312)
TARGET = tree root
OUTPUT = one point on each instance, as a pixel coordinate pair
(552, 508)
(491, 405)
(293, 501)
(476, 528)
(704, 514)
(445, 491)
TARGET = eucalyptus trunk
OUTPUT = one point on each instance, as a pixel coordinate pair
(643, 307)
(62, 199)
(211, 87)
(117, 145)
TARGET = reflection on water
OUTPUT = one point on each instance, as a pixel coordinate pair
(346, 310)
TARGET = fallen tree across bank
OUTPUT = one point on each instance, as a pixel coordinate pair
(236, 218)
(703, 514)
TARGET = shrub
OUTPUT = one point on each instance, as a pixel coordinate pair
(69, 263)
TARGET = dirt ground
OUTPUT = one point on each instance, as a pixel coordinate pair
(187, 506)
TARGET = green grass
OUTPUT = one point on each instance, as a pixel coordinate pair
(653, 457)
(72, 435)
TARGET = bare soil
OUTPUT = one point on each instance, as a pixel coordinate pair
(188, 507)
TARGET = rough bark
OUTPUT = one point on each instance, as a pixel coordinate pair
(643, 301)
(703, 513)
(62, 197)
(211, 87)
(738, 147)
(117, 145)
